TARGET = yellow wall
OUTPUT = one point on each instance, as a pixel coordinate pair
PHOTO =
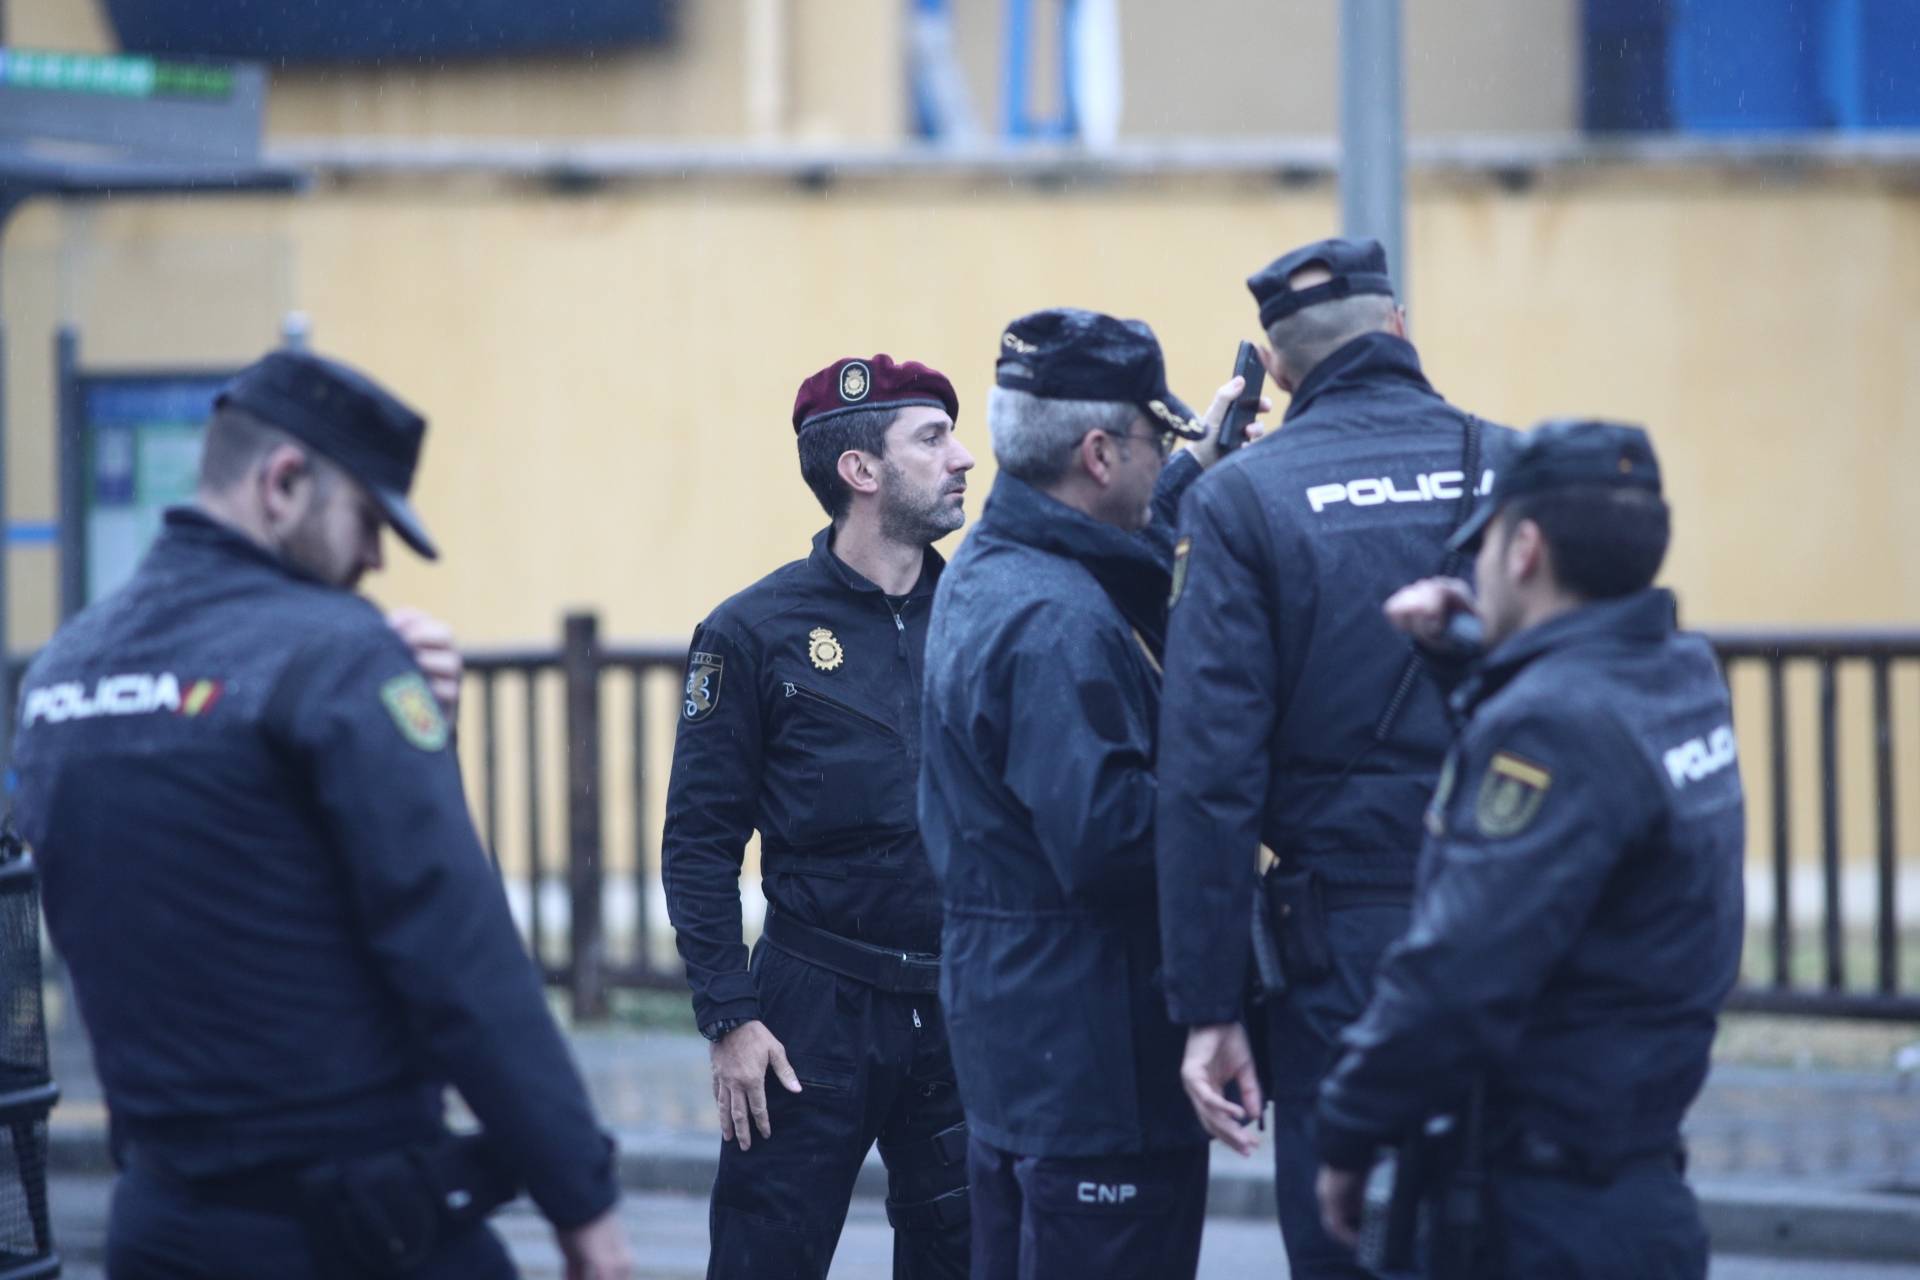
(609, 377)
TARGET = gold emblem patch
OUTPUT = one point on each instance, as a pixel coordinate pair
(1179, 425)
(1510, 795)
(855, 381)
(1180, 550)
(825, 651)
(414, 711)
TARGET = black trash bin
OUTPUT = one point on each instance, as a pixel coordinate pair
(27, 1091)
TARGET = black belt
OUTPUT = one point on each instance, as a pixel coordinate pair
(1531, 1151)
(268, 1189)
(907, 972)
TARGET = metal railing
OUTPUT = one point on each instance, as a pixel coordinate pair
(579, 666)
(1834, 933)
(1784, 974)
(1778, 791)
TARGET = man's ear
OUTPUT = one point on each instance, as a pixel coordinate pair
(1270, 361)
(1527, 552)
(1097, 453)
(859, 471)
(285, 484)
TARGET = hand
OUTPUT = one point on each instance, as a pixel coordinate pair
(597, 1250)
(1342, 1194)
(1207, 452)
(1423, 609)
(433, 649)
(741, 1060)
(1215, 1055)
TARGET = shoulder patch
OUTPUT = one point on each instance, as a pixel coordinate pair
(414, 711)
(703, 685)
(1181, 550)
(1510, 795)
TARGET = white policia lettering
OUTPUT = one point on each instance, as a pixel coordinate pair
(1370, 491)
(1101, 1193)
(127, 695)
(1701, 758)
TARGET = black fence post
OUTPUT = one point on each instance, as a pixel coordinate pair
(586, 943)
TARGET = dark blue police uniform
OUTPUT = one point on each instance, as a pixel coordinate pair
(802, 722)
(1280, 668)
(284, 936)
(1577, 927)
(1037, 804)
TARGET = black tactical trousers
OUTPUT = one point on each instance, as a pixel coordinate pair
(159, 1230)
(873, 1065)
(1643, 1225)
(1097, 1217)
(1304, 1041)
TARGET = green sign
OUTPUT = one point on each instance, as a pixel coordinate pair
(118, 77)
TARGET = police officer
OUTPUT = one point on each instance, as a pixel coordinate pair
(1579, 914)
(802, 721)
(1293, 715)
(1037, 803)
(283, 934)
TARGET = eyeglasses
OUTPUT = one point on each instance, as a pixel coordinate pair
(1161, 440)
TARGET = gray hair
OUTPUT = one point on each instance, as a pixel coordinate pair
(1033, 438)
(1305, 338)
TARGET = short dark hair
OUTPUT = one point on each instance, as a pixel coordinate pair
(822, 444)
(234, 444)
(1606, 541)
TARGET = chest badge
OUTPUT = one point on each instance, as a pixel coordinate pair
(824, 650)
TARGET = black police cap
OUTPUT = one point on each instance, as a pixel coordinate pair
(1561, 454)
(1069, 354)
(1357, 267)
(346, 417)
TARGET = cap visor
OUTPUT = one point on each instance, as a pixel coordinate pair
(1189, 427)
(1467, 537)
(406, 522)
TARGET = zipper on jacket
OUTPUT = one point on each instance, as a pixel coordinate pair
(793, 690)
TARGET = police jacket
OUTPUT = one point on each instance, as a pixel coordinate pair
(1578, 918)
(1280, 663)
(802, 722)
(283, 932)
(1037, 802)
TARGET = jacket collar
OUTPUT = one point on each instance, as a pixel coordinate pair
(834, 568)
(1643, 617)
(1124, 564)
(1364, 362)
(189, 529)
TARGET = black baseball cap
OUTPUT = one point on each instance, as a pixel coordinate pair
(348, 418)
(1357, 267)
(1069, 354)
(1561, 454)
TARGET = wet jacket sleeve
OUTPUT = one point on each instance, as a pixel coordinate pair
(712, 798)
(1540, 816)
(363, 728)
(1080, 756)
(1217, 719)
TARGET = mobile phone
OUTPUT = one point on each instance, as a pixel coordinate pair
(1233, 428)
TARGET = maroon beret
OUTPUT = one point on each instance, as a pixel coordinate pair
(849, 385)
